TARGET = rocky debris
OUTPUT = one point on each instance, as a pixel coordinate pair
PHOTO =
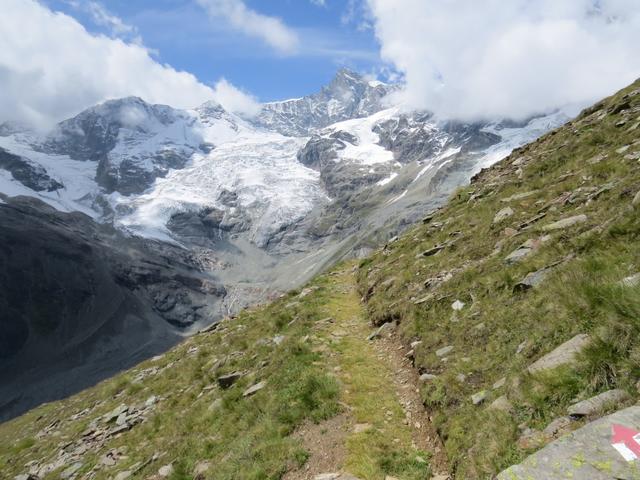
(165, 471)
(124, 475)
(503, 214)
(531, 439)
(48, 430)
(499, 383)
(383, 329)
(25, 476)
(558, 427)
(335, 476)
(501, 404)
(254, 389)
(201, 469)
(519, 196)
(598, 403)
(623, 149)
(565, 223)
(565, 354)
(526, 249)
(531, 221)
(307, 291)
(427, 377)
(457, 305)
(71, 471)
(531, 280)
(362, 427)
(444, 351)
(100, 430)
(226, 381)
(585, 453)
(631, 281)
(479, 397)
(432, 251)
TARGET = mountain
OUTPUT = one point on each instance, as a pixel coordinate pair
(496, 337)
(349, 95)
(251, 207)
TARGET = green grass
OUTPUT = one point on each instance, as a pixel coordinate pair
(248, 438)
(581, 295)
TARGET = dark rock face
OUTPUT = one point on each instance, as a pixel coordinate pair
(413, 137)
(81, 296)
(31, 176)
(95, 133)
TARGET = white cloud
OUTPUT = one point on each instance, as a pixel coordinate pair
(469, 60)
(270, 29)
(319, 3)
(103, 17)
(235, 100)
(51, 68)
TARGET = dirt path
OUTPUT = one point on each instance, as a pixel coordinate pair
(384, 429)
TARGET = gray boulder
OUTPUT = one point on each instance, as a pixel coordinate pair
(587, 453)
(563, 355)
(598, 403)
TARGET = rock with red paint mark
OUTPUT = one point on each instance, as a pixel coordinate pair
(585, 453)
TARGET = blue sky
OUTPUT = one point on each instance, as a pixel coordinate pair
(180, 33)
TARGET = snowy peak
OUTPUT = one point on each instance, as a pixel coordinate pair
(349, 95)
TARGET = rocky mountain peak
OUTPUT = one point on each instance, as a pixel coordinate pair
(349, 95)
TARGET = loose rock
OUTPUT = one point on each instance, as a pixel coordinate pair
(563, 355)
(254, 388)
(598, 403)
(565, 223)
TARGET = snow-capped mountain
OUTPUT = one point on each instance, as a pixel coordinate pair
(241, 208)
(349, 95)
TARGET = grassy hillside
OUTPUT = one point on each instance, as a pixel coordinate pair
(309, 352)
(450, 283)
(296, 388)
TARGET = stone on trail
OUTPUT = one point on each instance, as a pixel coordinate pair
(457, 305)
(557, 427)
(563, 355)
(479, 397)
(565, 223)
(631, 281)
(503, 214)
(427, 377)
(381, 330)
(335, 476)
(225, 381)
(165, 471)
(587, 453)
(501, 404)
(533, 279)
(598, 403)
(69, 472)
(444, 351)
(254, 389)
(201, 468)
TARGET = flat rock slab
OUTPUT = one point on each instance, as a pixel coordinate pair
(565, 223)
(563, 355)
(598, 403)
(586, 453)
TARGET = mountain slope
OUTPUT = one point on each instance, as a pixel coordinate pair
(250, 210)
(80, 302)
(456, 289)
(532, 254)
